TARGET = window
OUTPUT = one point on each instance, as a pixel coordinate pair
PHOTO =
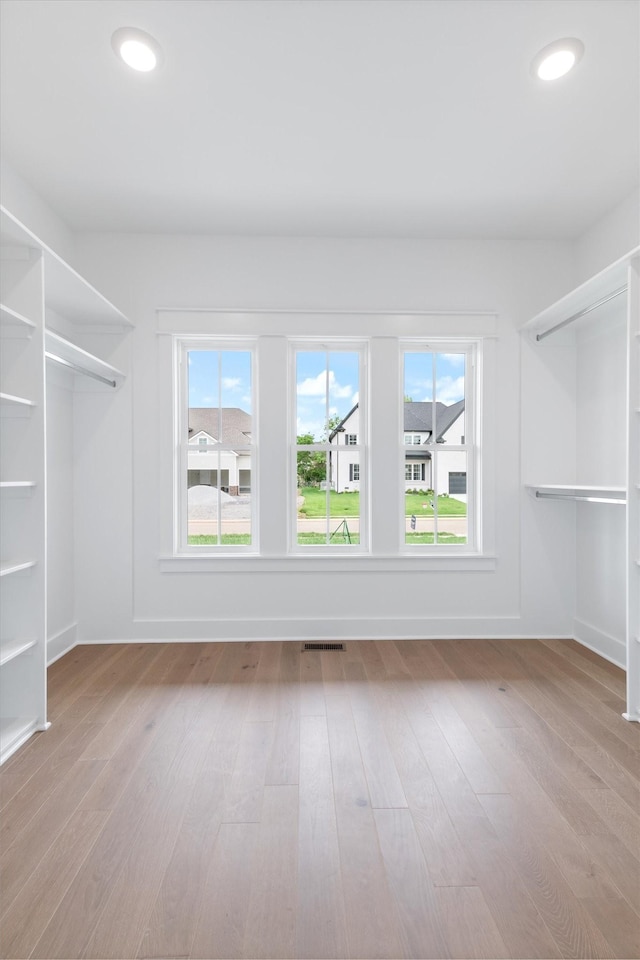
(214, 469)
(328, 405)
(414, 471)
(353, 446)
(437, 397)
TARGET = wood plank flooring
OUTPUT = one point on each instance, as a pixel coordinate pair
(411, 799)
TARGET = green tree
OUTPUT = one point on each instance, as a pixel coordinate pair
(331, 425)
(312, 466)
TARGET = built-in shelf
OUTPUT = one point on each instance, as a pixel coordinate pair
(11, 318)
(589, 494)
(15, 405)
(6, 569)
(600, 288)
(10, 649)
(76, 360)
(13, 733)
(17, 488)
(66, 292)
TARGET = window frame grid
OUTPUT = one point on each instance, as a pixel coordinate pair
(183, 345)
(471, 348)
(360, 346)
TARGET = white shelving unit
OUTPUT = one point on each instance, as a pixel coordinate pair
(38, 290)
(592, 303)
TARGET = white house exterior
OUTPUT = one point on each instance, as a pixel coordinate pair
(216, 456)
(418, 466)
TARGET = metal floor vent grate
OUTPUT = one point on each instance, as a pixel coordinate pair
(324, 646)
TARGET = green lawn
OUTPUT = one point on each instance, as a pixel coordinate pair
(202, 539)
(348, 504)
(309, 539)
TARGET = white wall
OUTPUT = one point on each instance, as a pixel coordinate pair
(34, 212)
(610, 238)
(122, 592)
(601, 460)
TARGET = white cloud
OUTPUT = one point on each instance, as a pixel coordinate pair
(230, 383)
(450, 390)
(316, 386)
(454, 359)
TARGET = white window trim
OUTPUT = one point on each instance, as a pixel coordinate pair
(472, 348)
(271, 329)
(182, 345)
(360, 346)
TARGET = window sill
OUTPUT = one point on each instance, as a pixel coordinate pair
(232, 563)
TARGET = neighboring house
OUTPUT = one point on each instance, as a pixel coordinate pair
(418, 467)
(228, 469)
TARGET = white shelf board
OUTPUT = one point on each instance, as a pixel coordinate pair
(15, 405)
(17, 488)
(66, 292)
(11, 318)
(57, 346)
(10, 649)
(596, 288)
(14, 731)
(6, 569)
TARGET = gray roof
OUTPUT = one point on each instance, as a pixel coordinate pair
(418, 417)
(233, 426)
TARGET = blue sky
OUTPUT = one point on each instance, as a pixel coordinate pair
(449, 376)
(327, 384)
(220, 378)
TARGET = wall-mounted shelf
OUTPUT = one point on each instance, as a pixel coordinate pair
(13, 406)
(580, 492)
(66, 292)
(7, 569)
(598, 290)
(10, 649)
(17, 488)
(76, 360)
(10, 318)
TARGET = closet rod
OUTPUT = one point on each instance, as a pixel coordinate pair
(581, 313)
(79, 369)
(573, 496)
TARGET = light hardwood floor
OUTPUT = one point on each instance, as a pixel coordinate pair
(408, 799)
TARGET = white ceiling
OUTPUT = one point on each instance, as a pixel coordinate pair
(415, 118)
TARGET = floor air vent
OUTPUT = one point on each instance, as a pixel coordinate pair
(324, 646)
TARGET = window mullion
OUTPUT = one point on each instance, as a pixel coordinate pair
(386, 432)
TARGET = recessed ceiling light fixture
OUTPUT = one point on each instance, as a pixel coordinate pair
(557, 58)
(138, 50)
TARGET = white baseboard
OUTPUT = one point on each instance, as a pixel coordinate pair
(324, 628)
(611, 648)
(61, 643)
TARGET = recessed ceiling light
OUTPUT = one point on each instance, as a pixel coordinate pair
(138, 50)
(557, 58)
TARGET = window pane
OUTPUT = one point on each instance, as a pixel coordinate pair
(219, 461)
(328, 510)
(328, 416)
(450, 378)
(451, 480)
